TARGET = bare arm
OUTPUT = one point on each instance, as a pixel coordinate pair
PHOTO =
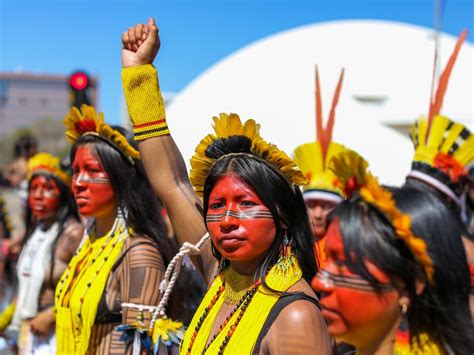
(162, 160)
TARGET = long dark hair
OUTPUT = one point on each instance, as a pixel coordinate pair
(442, 309)
(133, 191)
(284, 201)
(67, 211)
(445, 309)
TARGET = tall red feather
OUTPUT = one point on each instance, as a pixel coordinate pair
(332, 113)
(437, 103)
(319, 108)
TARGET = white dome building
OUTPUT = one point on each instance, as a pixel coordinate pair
(387, 81)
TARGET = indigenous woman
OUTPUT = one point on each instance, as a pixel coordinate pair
(394, 282)
(260, 301)
(53, 233)
(444, 151)
(125, 247)
(320, 194)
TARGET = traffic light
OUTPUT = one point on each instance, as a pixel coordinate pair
(79, 84)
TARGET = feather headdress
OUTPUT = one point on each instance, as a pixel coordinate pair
(47, 164)
(443, 148)
(313, 158)
(354, 175)
(229, 125)
(87, 121)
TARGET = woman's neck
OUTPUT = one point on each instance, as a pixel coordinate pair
(47, 223)
(246, 268)
(385, 344)
(103, 224)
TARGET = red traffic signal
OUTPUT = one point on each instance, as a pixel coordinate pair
(79, 81)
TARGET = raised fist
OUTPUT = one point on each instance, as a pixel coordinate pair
(140, 44)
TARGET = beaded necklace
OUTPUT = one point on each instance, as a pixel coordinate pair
(117, 228)
(241, 329)
(235, 286)
(242, 304)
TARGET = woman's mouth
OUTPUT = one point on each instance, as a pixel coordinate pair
(230, 241)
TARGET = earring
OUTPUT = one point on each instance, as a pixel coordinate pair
(285, 259)
(402, 337)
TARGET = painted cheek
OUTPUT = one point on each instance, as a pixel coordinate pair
(91, 185)
(239, 232)
(94, 195)
(260, 234)
(43, 198)
(352, 312)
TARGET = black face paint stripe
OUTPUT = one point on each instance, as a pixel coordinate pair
(239, 215)
(353, 282)
(91, 180)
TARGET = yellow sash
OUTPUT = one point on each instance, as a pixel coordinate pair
(79, 291)
(245, 335)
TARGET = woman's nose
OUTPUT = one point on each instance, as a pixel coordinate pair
(229, 221)
(322, 282)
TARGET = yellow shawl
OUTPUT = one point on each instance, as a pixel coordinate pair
(76, 301)
(245, 335)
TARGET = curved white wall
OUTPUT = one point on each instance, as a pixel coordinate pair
(272, 81)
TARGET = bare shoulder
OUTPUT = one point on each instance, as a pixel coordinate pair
(142, 251)
(299, 328)
(302, 286)
(69, 240)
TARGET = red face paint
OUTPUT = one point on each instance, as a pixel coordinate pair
(91, 186)
(240, 225)
(354, 312)
(318, 211)
(43, 197)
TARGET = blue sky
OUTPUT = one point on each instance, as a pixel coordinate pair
(58, 37)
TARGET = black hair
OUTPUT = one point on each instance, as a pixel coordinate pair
(413, 183)
(284, 201)
(25, 147)
(442, 309)
(133, 191)
(420, 185)
(67, 210)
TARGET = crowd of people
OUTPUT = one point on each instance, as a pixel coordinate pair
(252, 252)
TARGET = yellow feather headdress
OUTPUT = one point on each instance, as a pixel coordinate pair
(229, 125)
(89, 122)
(48, 164)
(353, 174)
(443, 148)
(312, 158)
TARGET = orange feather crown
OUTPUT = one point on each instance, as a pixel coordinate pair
(353, 174)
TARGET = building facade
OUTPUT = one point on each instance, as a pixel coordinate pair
(26, 98)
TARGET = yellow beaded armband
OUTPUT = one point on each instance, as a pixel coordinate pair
(144, 101)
